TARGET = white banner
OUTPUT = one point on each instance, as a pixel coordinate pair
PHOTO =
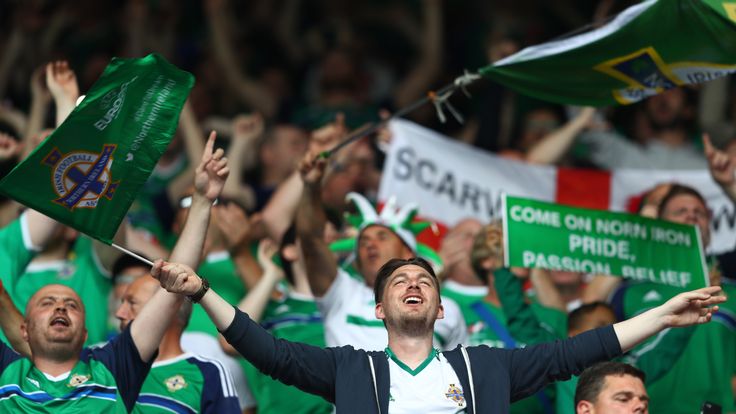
(450, 181)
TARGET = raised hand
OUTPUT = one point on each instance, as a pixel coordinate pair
(312, 168)
(248, 127)
(720, 164)
(38, 85)
(176, 278)
(212, 171)
(233, 224)
(62, 82)
(691, 308)
(266, 249)
(9, 147)
(327, 137)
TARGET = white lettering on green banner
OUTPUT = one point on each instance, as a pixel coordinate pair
(551, 236)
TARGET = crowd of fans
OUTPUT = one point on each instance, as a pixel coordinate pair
(283, 81)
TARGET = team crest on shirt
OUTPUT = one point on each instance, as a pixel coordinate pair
(455, 394)
(77, 380)
(175, 383)
(82, 178)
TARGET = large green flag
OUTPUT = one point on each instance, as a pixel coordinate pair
(88, 171)
(649, 47)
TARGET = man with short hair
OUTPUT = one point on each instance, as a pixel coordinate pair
(611, 388)
(410, 374)
(346, 302)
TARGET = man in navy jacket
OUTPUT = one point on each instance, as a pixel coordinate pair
(481, 379)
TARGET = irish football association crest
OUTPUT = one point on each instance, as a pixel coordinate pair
(82, 178)
(175, 383)
(455, 394)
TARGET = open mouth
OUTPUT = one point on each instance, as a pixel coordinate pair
(60, 321)
(413, 300)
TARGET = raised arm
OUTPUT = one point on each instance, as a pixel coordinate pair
(310, 226)
(246, 89)
(149, 327)
(62, 82)
(722, 168)
(686, 309)
(10, 321)
(554, 146)
(310, 368)
(254, 303)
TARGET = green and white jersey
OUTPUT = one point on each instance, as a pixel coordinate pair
(104, 380)
(220, 271)
(348, 309)
(82, 272)
(187, 384)
(704, 370)
(293, 317)
(433, 387)
(464, 296)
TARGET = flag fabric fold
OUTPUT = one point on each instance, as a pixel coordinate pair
(88, 171)
(646, 49)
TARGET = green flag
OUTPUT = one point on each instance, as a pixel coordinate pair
(557, 237)
(646, 49)
(88, 171)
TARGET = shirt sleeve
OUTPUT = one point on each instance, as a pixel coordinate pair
(523, 324)
(608, 149)
(534, 367)
(339, 291)
(16, 250)
(121, 357)
(7, 356)
(311, 369)
(218, 392)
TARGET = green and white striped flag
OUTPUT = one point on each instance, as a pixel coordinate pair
(646, 49)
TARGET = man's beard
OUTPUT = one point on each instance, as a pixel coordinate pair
(414, 326)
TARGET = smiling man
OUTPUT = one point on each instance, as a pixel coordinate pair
(410, 375)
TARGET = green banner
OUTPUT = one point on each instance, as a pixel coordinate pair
(646, 49)
(556, 237)
(88, 171)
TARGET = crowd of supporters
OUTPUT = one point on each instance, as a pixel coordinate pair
(283, 81)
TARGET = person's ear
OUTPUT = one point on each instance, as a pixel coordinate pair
(584, 407)
(379, 311)
(441, 312)
(24, 331)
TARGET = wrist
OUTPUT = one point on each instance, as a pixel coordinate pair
(204, 287)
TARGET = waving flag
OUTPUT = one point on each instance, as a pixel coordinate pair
(648, 48)
(87, 173)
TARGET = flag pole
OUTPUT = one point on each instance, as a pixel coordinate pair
(438, 98)
(129, 253)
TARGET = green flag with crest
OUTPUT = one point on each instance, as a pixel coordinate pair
(88, 171)
(648, 48)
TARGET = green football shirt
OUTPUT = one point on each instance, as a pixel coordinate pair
(705, 367)
(106, 379)
(295, 318)
(187, 384)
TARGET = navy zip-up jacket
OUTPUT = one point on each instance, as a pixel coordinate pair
(343, 375)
